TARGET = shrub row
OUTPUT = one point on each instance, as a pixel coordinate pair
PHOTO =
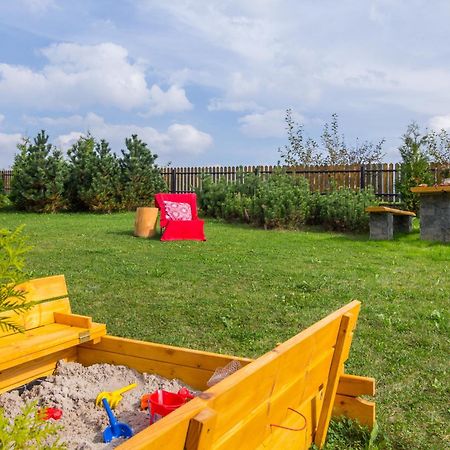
(91, 178)
(284, 201)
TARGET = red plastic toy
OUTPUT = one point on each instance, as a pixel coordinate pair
(163, 402)
(50, 413)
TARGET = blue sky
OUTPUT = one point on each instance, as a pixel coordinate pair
(208, 82)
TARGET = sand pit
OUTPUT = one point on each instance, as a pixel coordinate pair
(74, 388)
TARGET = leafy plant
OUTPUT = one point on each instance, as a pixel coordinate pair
(27, 431)
(140, 176)
(342, 209)
(39, 175)
(415, 168)
(13, 247)
(333, 151)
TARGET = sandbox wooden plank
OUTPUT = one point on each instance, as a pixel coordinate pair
(34, 369)
(165, 353)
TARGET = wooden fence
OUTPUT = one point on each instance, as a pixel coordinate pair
(382, 177)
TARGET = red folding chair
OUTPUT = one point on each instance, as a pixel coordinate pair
(178, 217)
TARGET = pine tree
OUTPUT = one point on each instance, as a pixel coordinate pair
(141, 178)
(39, 176)
(81, 168)
(103, 195)
(94, 176)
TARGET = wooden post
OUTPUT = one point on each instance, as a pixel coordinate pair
(145, 222)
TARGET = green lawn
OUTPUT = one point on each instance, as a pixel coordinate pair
(246, 289)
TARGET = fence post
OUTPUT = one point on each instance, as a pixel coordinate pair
(362, 177)
(173, 181)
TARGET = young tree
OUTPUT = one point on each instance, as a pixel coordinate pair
(81, 170)
(104, 193)
(333, 150)
(339, 153)
(39, 175)
(439, 146)
(94, 181)
(415, 167)
(141, 178)
(301, 150)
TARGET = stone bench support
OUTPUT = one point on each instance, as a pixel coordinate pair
(384, 222)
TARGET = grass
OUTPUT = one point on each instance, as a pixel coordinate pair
(246, 289)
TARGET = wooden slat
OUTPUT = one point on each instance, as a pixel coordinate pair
(353, 385)
(355, 408)
(385, 209)
(165, 353)
(73, 320)
(430, 189)
(337, 367)
(21, 348)
(201, 430)
(34, 369)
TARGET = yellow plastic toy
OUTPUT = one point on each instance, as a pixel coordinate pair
(113, 397)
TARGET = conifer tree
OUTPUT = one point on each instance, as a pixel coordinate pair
(141, 177)
(39, 175)
(94, 176)
(81, 167)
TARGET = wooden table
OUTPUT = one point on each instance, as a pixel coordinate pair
(434, 212)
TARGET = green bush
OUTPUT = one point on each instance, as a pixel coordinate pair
(284, 201)
(28, 431)
(94, 180)
(39, 176)
(140, 176)
(342, 209)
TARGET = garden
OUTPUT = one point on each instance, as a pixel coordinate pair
(246, 289)
(278, 258)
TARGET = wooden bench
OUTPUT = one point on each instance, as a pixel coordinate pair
(281, 400)
(51, 333)
(385, 221)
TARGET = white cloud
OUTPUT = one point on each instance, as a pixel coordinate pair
(187, 139)
(439, 123)
(38, 6)
(178, 138)
(267, 124)
(173, 100)
(78, 76)
(8, 148)
(2, 118)
(262, 125)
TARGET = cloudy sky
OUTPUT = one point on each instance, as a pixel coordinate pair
(208, 82)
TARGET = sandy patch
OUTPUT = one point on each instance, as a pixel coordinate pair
(74, 389)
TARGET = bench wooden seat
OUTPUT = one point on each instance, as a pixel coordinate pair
(385, 221)
(49, 328)
(385, 209)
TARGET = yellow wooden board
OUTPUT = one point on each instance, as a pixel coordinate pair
(430, 189)
(385, 209)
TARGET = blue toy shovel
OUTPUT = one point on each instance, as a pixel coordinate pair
(116, 429)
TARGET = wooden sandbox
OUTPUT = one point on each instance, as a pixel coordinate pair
(282, 400)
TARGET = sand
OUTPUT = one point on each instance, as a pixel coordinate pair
(74, 388)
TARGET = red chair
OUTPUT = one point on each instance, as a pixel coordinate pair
(178, 217)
